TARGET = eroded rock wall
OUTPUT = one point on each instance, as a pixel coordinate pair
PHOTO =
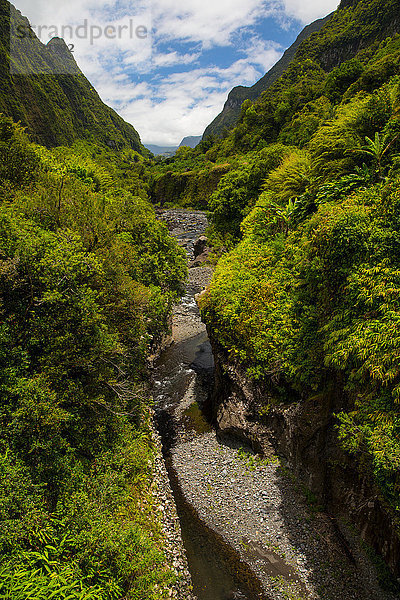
(304, 434)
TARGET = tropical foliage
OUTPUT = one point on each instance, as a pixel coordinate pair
(311, 293)
(87, 281)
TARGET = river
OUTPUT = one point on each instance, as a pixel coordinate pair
(182, 379)
(249, 530)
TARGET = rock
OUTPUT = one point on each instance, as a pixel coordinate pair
(174, 548)
(199, 246)
(201, 259)
(236, 596)
(304, 435)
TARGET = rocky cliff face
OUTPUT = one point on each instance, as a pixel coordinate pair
(190, 188)
(304, 434)
(355, 26)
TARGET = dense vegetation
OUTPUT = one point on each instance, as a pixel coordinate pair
(304, 192)
(230, 114)
(311, 293)
(308, 296)
(87, 281)
(43, 88)
(186, 182)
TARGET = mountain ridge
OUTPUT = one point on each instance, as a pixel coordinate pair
(231, 111)
(43, 88)
(191, 141)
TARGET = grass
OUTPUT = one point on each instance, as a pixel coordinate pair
(253, 461)
(288, 591)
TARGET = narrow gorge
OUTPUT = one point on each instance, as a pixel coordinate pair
(252, 523)
(200, 350)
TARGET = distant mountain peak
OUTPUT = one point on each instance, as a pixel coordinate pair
(57, 44)
(191, 141)
(43, 88)
(58, 48)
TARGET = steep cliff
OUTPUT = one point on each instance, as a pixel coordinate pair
(231, 111)
(189, 188)
(354, 30)
(305, 435)
(44, 89)
(356, 25)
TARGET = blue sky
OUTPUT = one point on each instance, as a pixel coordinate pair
(173, 80)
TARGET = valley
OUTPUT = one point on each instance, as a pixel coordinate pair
(200, 351)
(250, 529)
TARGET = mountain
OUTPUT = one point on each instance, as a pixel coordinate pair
(231, 111)
(44, 89)
(351, 52)
(191, 141)
(356, 25)
(168, 151)
(301, 313)
(161, 150)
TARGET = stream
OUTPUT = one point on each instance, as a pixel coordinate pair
(249, 529)
(182, 379)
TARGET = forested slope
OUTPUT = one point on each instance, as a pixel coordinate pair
(354, 47)
(308, 298)
(58, 105)
(356, 51)
(229, 116)
(87, 281)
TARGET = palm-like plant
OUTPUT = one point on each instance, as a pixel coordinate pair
(279, 217)
(378, 149)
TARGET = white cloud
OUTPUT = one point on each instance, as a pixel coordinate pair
(211, 22)
(174, 58)
(307, 11)
(263, 53)
(185, 103)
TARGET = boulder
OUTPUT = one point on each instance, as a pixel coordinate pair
(199, 246)
(200, 259)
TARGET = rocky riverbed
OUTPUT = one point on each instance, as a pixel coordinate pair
(170, 525)
(296, 550)
(253, 503)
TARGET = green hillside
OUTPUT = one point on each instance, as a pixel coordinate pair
(327, 42)
(322, 71)
(229, 116)
(58, 108)
(307, 300)
(355, 52)
(88, 278)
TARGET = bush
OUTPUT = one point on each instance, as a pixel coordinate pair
(88, 277)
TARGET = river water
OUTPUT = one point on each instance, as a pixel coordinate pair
(182, 380)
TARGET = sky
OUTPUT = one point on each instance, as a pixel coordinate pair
(167, 66)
